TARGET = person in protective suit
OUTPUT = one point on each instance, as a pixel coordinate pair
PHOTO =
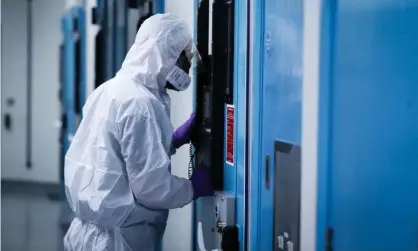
(117, 169)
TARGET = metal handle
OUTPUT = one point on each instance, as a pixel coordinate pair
(7, 117)
(8, 121)
(267, 173)
(329, 239)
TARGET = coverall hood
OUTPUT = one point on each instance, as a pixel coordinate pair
(158, 44)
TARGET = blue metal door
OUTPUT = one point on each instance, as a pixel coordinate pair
(373, 158)
(279, 100)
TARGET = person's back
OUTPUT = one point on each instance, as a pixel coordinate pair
(94, 144)
(117, 169)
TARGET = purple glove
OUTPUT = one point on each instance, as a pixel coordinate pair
(201, 183)
(183, 134)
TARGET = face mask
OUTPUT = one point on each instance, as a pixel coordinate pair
(178, 78)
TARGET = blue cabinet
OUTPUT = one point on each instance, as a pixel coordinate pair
(373, 114)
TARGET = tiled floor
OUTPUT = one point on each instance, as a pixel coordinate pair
(29, 220)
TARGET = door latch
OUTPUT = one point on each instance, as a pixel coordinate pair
(329, 239)
(267, 172)
(8, 121)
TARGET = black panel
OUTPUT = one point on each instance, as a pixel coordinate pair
(205, 154)
(77, 66)
(95, 15)
(223, 46)
(99, 59)
(212, 85)
(135, 4)
(287, 187)
(142, 19)
(203, 28)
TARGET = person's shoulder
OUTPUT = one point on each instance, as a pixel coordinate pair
(135, 105)
(133, 111)
(127, 94)
(132, 104)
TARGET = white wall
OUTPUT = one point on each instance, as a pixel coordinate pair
(310, 113)
(14, 86)
(178, 234)
(45, 105)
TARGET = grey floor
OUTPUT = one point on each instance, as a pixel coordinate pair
(29, 219)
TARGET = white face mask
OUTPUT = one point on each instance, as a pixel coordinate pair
(178, 78)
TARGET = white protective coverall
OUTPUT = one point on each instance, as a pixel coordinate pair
(117, 169)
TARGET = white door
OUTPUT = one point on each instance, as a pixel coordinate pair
(14, 89)
(31, 139)
(46, 39)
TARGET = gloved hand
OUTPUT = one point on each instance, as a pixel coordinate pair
(183, 134)
(201, 182)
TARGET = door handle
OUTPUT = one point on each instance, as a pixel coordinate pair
(7, 117)
(267, 172)
(8, 121)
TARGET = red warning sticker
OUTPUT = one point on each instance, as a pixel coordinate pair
(230, 135)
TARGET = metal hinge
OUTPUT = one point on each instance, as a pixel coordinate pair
(329, 238)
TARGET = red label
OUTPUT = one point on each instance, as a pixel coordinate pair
(230, 134)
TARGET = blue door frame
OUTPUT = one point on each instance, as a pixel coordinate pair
(240, 170)
(327, 35)
(256, 69)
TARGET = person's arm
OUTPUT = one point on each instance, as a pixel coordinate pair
(147, 165)
(184, 133)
